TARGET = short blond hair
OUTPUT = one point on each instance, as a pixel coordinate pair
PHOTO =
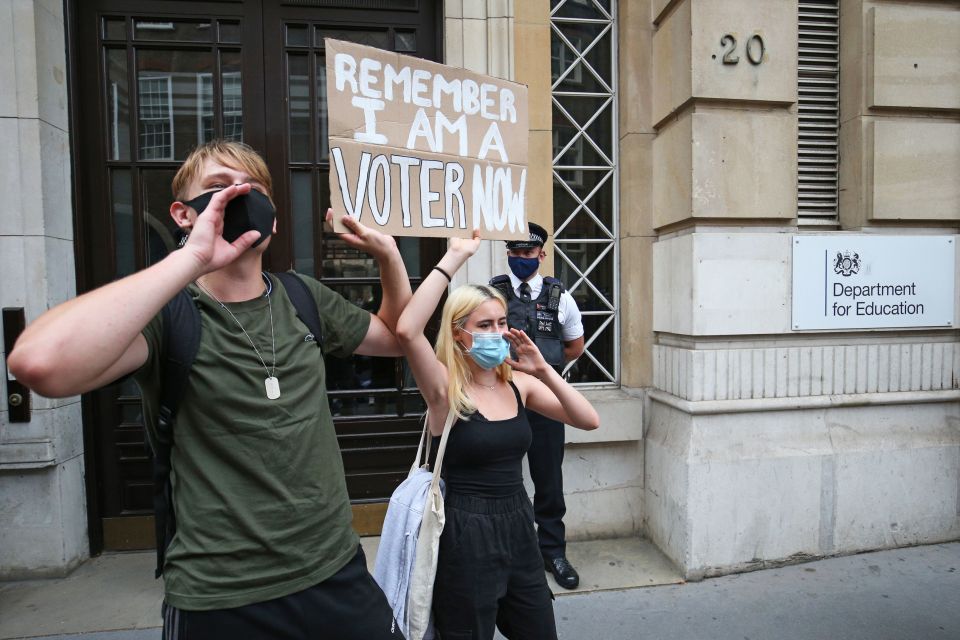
(235, 155)
(457, 309)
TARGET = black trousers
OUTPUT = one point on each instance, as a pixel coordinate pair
(490, 573)
(546, 470)
(349, 605)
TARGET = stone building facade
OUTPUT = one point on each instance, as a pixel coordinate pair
(728, 438)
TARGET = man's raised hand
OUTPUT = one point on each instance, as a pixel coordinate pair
(377, 244)
(206, 242)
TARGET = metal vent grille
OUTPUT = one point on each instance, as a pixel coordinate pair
(819, 110)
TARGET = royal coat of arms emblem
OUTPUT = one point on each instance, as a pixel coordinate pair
(846, 263)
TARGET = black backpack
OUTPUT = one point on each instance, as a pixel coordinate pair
(181, 340)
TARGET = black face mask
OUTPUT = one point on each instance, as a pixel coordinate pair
(251, 211)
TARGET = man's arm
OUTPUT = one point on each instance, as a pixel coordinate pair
(572, 349)
(85, 342)
(380, 339)
(571, 323)
(93, 339)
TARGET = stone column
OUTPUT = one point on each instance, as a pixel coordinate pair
(602, 469)
(637, 235)
(42, 498)
(512, 41)
(479, 36)
(765, 445)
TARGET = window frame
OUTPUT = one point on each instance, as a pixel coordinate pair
(565, 248)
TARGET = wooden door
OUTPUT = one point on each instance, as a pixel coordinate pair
(374, 401)
(152, 79)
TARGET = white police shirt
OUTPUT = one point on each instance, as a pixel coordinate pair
(571, 325)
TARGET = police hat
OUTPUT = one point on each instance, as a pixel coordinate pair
(538, 237)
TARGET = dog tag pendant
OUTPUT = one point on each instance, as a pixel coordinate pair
(273, 387)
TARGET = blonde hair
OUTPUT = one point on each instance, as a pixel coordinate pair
(457, 309)
(235, 155)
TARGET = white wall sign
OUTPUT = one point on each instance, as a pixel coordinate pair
(864, 282)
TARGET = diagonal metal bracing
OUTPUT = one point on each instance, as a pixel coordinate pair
(581, 56)
(584, 275)
(582, 203)
(598, 29)
(582, 130)
(596, 4)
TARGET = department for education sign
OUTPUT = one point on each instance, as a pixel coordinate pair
(865, 282)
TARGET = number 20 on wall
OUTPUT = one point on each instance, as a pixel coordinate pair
(754, 49)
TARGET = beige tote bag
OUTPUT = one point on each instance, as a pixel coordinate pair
(420, 601)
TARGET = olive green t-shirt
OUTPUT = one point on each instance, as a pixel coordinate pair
(258, 488)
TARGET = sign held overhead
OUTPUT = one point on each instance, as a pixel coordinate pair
(418, 148)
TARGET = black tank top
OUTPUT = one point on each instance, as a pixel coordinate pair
(484, 458)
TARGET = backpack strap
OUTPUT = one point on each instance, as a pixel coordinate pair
(304, 303)
(181, 340)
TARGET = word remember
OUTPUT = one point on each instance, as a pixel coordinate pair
(374, 84)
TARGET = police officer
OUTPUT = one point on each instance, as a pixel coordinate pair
(548, 314)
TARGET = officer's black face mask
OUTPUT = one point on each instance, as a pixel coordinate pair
(251, 211)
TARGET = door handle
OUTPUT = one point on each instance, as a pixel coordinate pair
(17, 395)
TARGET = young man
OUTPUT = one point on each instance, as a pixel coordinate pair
(547, 313)
(263, 546)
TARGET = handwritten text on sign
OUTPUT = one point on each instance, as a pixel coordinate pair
(422, 149)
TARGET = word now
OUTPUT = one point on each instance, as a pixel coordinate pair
(494, 201)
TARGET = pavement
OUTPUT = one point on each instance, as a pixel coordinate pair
(629, 591)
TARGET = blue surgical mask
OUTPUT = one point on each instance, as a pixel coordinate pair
(523, 268)
(489, 349)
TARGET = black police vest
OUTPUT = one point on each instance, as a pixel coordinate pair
(539, 318)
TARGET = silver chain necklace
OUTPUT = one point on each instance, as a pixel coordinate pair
(270, 383)
(491, 387)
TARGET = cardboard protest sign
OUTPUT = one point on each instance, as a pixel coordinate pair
(418, 148)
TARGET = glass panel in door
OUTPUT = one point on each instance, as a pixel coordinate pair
(154, 87)
(374, 401)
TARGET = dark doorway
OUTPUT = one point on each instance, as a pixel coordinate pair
(150, 80)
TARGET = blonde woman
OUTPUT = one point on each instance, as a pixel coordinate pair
(490, 572)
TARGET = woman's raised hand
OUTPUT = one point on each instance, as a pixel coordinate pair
(465, 246)
(529, 359)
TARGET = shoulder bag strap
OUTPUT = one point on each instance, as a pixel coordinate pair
(438, 464)
(426, 440)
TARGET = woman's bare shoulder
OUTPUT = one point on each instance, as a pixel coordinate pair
(524, 382)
